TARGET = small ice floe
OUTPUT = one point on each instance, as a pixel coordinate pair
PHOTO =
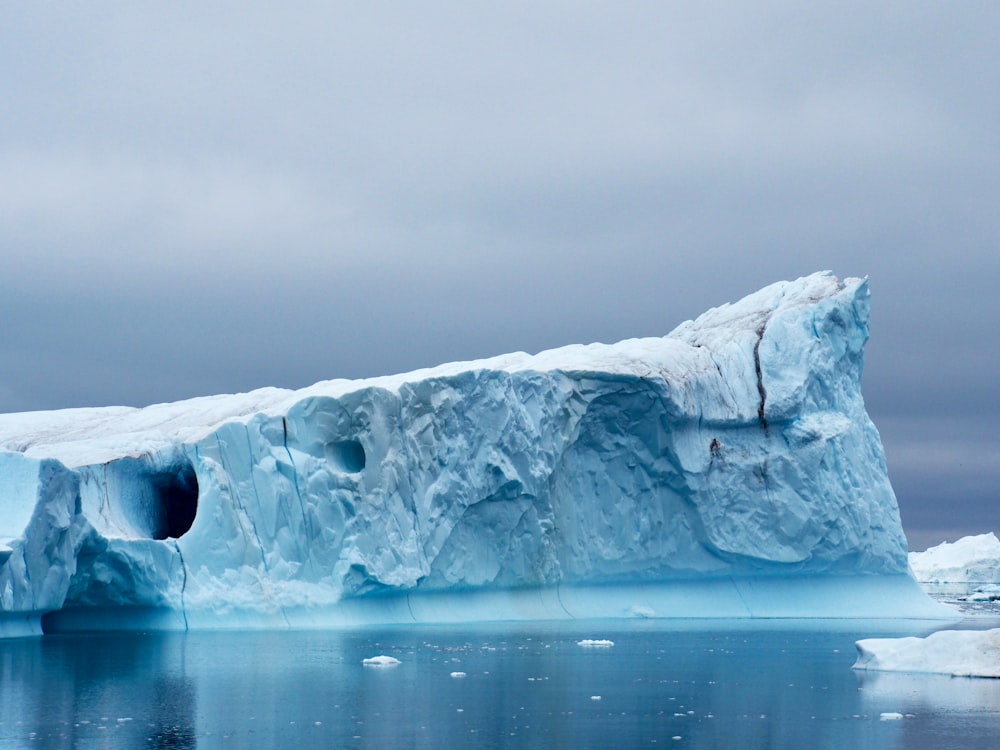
(595, 697)
(961, 653)
(986, 593)
(457, 675)
(595, 643)
(381, 661)
(890, 716)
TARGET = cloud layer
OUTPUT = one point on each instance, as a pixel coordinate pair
(198, 200)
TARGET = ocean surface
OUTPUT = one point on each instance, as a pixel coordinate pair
(776, 684)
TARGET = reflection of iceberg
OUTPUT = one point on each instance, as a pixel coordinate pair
(924, 693)
(105, 691)
(728, 469)
(969, 566)
(962, 653)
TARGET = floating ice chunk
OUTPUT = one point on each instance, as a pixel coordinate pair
(457, 675)
(381, 661)
(989, 593)
(890, 716)
(595, 643)
(962, 653)
(595, 697)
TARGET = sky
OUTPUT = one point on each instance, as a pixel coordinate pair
(201, 198)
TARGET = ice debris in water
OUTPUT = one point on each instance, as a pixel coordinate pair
(595, 643)
(381, 661)
(971, 559)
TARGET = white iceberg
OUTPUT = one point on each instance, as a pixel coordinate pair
(970, 564)
(381, 661)
(960, 653)
(728, 469)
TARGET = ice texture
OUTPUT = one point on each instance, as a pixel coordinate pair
(970, 560)
(728, 469)
(961, 653)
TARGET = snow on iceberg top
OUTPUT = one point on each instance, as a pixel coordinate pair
(83, 436)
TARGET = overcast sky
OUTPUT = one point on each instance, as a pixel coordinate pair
(203, 198)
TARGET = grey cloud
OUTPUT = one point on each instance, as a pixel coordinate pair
(204, 199)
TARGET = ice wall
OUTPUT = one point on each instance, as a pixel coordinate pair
(726, 469)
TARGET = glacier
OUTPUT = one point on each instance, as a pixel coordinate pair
(727, 469)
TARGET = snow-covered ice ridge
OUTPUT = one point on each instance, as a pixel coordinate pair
(728, 469)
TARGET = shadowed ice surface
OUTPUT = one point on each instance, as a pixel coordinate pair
(725, 684)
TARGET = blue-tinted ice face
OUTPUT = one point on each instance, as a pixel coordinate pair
(737, 449)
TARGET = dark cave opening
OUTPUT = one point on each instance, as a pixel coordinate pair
(346, 455)
(176, 493)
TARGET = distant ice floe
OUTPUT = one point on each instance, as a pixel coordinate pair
(381, 661)
(595, 643)
(960, 653)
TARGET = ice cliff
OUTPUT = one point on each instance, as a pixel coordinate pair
(728, 469)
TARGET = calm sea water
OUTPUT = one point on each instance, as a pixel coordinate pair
(721, 686)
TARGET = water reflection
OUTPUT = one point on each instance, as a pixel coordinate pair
(923, 693)
(529, 686)
(62, 691)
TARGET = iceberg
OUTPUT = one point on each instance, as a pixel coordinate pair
(960, 653)
(969, 566)
(727, 469)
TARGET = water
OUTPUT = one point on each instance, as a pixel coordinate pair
(724, 685)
